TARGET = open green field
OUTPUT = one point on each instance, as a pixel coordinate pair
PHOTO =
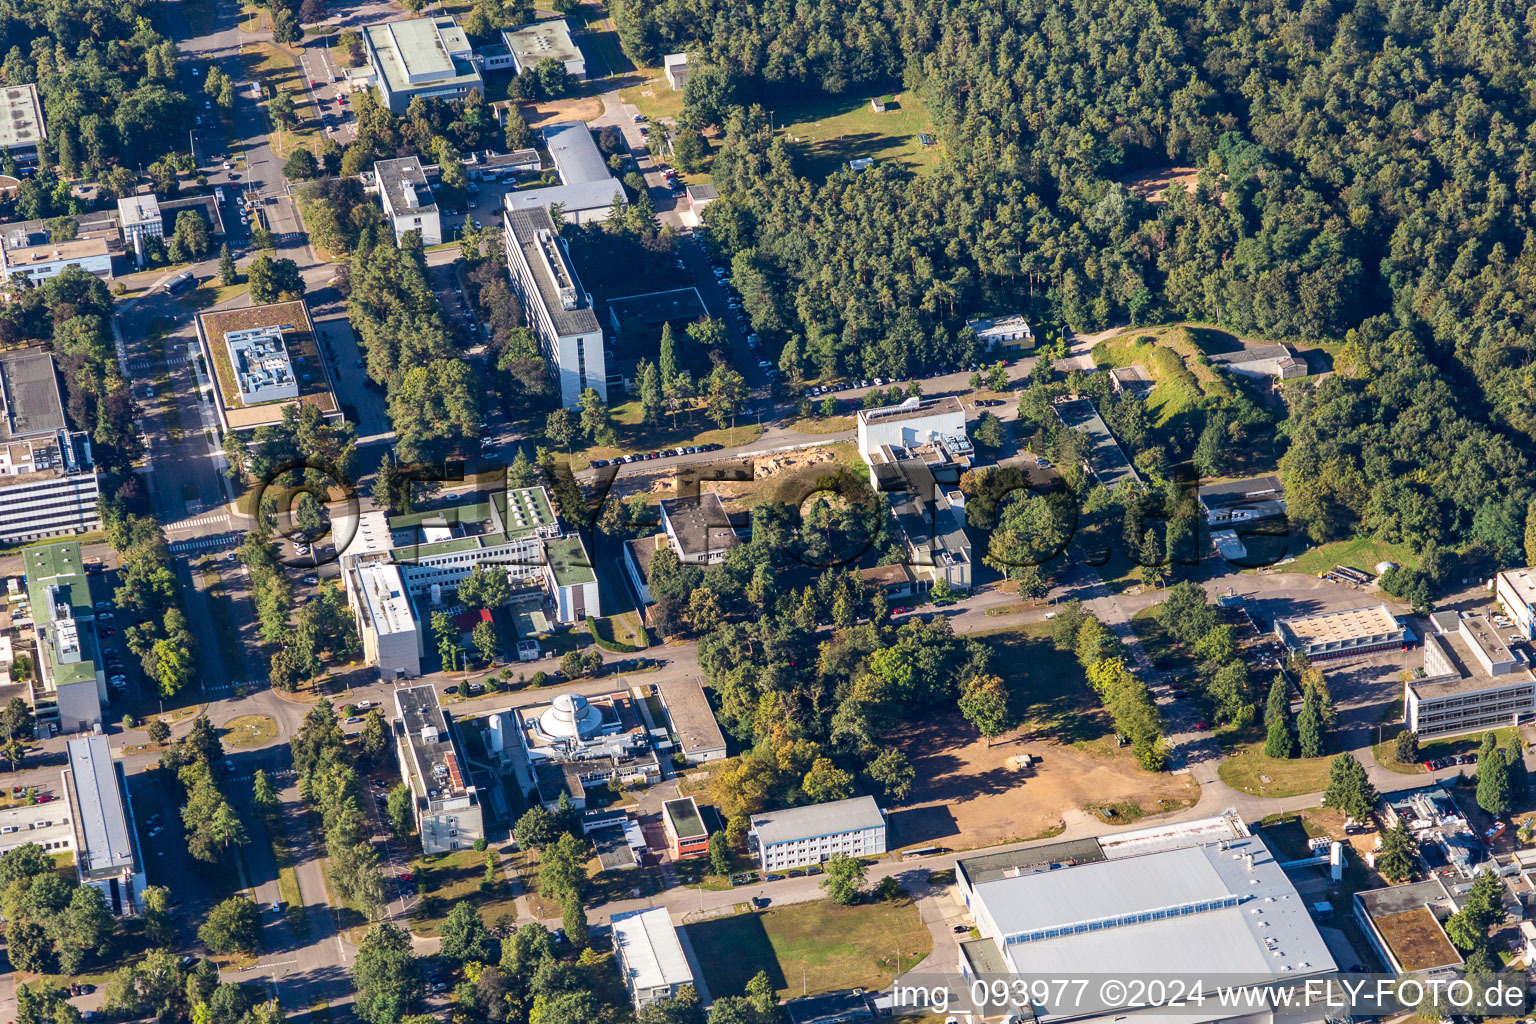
(1175, 359)
(1359, 553)
(810, 948)
(1249, 769)
(635, 435)
(450, 878)
(829, 131)
(1046, 687)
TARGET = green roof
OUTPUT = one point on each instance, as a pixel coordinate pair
(569, 562)
(57, 565)
(686, 821)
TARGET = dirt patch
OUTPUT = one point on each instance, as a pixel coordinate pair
(1153, 185)
(968, 795)
(575, 108)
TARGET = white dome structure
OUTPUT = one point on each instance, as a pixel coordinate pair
(570, 717)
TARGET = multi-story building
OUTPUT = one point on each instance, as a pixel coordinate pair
(651, 958)
(817, 832)
(408, 200)
(35, 264)
(106, 841)
(428, 57)
(71, 686)
(549, 39)
(574, 742)
(21, 122)
(48, 481)
(1405, 925)
(444, 800)
(587, 189)
(558, 308)
(687, 835)
(915, 421)
(1346, 633)
(139, 217)
(49, 825)
(264, 359)
(1515, 590)
(386, 620)
(698, 528)
(1470, 681)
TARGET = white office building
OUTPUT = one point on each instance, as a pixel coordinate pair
(21, 122)
(1515, 590)
(558, 308)
(408, 200)
(1471, 682)
(427, 57)
(817, 832)
(1010, 333)
(48, 481)
(35, 264)
(549, 39)
(386, 619)
(139, 216)
(106, 841)
(444, 800)
(698, 528)
(49, 825)
(651, 958)
(914, 422)
(587, 188)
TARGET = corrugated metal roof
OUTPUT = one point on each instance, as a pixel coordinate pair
(103, 823)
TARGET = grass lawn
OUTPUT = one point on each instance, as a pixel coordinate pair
(211, 294)
(810, 948)
(655, 98)
(1046, 687)
(450, 878)
(249, 731)
(821, 424)
(272, 67)
(1360, 553)
(828, 131)
(635, 435)
(1249, 769)
(1176, 362)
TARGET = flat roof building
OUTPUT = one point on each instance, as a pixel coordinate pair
(264, 359)
(139, 217)
(677, 306)
(558, 308)
(651, 958)
(1515, 590)
(408, 200)
(549, 39)
(72, 686)
(1106, 459)
(48, 480)
(686, 833)
(931, 518)
(675, 67)
(1405, 926)
(49, 825)
(693, 721)
(1471, 681)
(1261, 361)
(575, 741)
(698, 528)
(587, 188)
(106, 842)
(386, 618)
(1346, 633)
(816, 832)
(37, 263)
(427, 57)
(21, 122)
(915, 421)
(445, 802)
(1010, 333)
(1179, 902)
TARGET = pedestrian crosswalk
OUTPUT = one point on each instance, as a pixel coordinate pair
(145, 366)
(213, 520)
(218, 540)
(289, 238)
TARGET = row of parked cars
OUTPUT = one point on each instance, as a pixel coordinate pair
(665, 453)
(1435, 764)
(880, 382)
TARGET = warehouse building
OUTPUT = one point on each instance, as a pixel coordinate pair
(817, 832)
(106, 841)
(48, 480)
(587, 189)
(1349, 633)
(559, 309)
(651, 958)
(1009, 333)
(693, 721)
(1196, 900)
(445, 802)
(1471, 681)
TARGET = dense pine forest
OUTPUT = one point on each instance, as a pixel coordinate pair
(1364, 178)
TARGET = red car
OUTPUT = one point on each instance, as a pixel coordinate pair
(45, 798)
(1202, 726)
(406, 876)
